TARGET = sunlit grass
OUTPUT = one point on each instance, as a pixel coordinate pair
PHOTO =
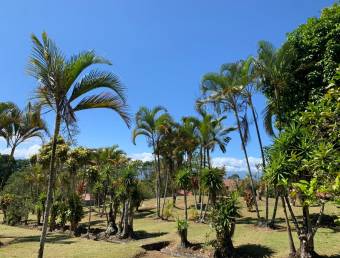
(22, 242)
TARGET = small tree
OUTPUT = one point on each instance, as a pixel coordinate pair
(183, 181)
(182, 229)
(75, 211)
(223, 220)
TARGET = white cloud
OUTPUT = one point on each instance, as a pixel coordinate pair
(234, 165)
(144, 156)
(23, 152)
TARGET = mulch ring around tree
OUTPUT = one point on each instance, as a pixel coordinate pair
(174, 250)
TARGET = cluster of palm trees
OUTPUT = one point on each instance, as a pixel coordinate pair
(188, 144)
(181, 150)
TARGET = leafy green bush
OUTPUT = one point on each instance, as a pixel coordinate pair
(75, 211)
(182, 229)
(168, 210)
(223, 220)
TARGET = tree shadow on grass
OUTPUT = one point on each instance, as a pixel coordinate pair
(330, 256)
(143, 214)
(142, 234)
(54, 239)
(254, 251)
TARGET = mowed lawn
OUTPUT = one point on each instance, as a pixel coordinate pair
(254, 241)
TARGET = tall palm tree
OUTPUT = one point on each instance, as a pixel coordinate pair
(23, 125)
(148, 122)
(272, 78)
(63, 88)
(250, 79)
(223, 90)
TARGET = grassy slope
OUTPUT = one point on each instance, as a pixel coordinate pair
(23, 242)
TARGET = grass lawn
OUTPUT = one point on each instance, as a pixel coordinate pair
(257, 242)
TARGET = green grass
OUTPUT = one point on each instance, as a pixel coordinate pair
(23, 242)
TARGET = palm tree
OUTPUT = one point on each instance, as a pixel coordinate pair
(272, 77)
(183, 180)
(61, 90)
(249, 75)
(5, 110)
(223, 90)
(148, 122)
(23, 125)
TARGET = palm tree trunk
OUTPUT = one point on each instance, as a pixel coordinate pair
(165, 191)
(247, 161)
(272, 222)
(208, 158)
(206, 208)
(159, 185)
(261, 149)
(89, 222)
(185, 205)
(201, 208)
(199, 176)
(289, 230)
(13, 150)
(157, 170)
(50, 187)
(267, 203)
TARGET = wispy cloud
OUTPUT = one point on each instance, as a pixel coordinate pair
(231, 164)
(23, 152)
(234, 165)
(144, 156)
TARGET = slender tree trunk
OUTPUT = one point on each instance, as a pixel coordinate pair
(157, 170)
(272, 222)
(126, 229)
(165, 191)
(267, 204)
(208, 158)
(50, 187)
(201, 209)
(199, 175)
(159, 185)
(289, 230)
(185, 205)
(206, 208)
(12, 151)
(247, 161)
(261, 149)
(89, 222)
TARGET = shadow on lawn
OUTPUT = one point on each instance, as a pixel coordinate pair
(143, 213)
(254, 251)
(55, 239)
(142, 234)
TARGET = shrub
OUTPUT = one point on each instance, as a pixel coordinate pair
(193, 215)
(223, 220)
(75, 211)
(182, 229)
(168, 210)
(17, 210)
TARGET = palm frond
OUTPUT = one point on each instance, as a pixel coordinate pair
(105, 100)
(78, 63)
(95, 80)
(268, 119)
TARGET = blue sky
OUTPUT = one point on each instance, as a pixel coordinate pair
(159, 49)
